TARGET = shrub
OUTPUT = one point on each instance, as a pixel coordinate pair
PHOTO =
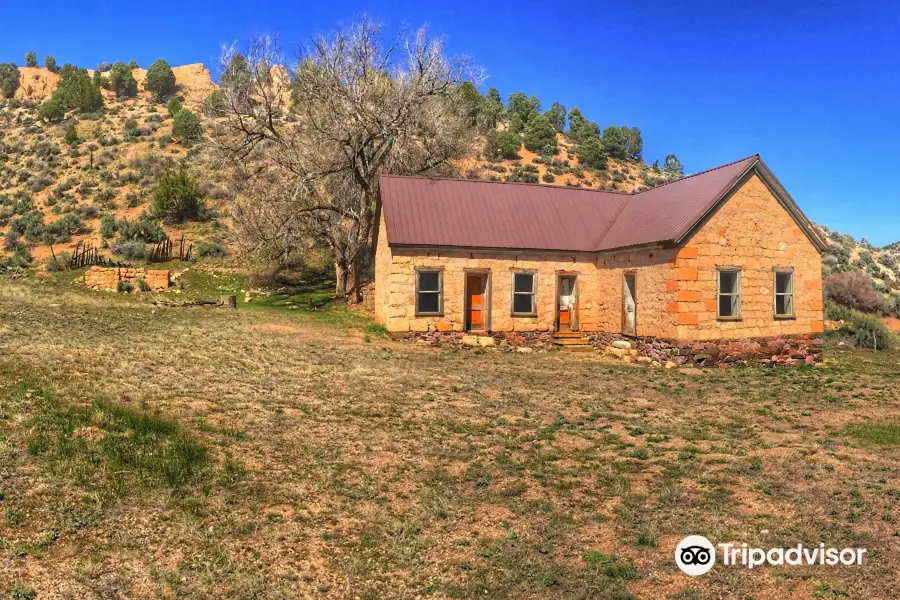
(131, 126)
(214, 105)
(502, 144)
(178, 198)
(9, 79)
(124, 286)
(71, 134)
(173, 106)
(52, 110)
(548, 177)
(142, 285)
(523, 175)
(868, 331)
(210, 248)
(160, 80)
(853, 289)
(30, 226)
(21, 258)
(144, 229)
(837, 312)
(121, 81)
(134, 250)
(60, 262)
(50, 64)
(540, 136)
(186, 126)
(108, 226)
(104, 67)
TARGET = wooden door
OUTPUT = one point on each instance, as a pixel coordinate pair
(629, 305)
(475, 302)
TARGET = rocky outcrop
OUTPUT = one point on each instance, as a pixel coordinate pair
(194, 81)
(36, 83)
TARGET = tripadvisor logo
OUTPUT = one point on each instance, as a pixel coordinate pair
(696, 555)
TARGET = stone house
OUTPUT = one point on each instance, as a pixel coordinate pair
(721, 255)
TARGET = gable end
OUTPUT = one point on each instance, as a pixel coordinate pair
(778, 192)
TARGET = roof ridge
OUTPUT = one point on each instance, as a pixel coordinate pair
(540, 185)
(734, 162)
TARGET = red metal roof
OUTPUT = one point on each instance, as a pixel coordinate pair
(420, 211)
(667, 212)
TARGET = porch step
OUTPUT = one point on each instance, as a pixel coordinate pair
(580, 348)
(568, 334)
(572, 340)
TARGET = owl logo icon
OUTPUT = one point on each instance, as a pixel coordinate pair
(695, 555)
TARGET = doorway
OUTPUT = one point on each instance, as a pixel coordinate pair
(629, 304)
(477, 313)
(566, 317)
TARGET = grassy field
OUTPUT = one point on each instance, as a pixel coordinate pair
(281, 452)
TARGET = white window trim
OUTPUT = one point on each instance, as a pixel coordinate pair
(440, 293)
(775, 273)
(513, 292)
(738, 295)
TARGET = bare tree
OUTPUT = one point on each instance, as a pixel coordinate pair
(308, 154)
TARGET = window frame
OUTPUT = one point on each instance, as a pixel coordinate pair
(776, 271)
(513, 292)
(439, 292)
(738, 293)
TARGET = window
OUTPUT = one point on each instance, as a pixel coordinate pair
(784, 293)
(729, 293)
(523, 290)
(429, 292)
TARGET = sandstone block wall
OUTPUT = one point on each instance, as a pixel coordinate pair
(397, 304)
(754, 232)
(107, 278)
(652, 271)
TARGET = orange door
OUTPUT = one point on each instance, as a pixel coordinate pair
(475, 301)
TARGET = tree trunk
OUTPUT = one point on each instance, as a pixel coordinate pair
(357, 274)
(342, 279)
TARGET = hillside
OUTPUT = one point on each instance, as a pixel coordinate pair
(56, 194)
(120, 154)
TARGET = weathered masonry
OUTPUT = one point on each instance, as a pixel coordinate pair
(721, 255)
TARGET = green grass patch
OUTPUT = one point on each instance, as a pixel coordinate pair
(107, 445)
(610, 565)
(875, 433)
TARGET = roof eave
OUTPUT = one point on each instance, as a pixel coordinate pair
(438, 247)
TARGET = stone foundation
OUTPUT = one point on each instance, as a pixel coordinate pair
(804, 349)
(766, 351)
(502, 339)
(108, 278)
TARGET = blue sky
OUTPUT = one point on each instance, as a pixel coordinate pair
(811, 86)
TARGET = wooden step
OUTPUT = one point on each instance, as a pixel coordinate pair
(582, 341)
(579, 348)
(568, 334)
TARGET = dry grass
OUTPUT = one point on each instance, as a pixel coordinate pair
(298, 460)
